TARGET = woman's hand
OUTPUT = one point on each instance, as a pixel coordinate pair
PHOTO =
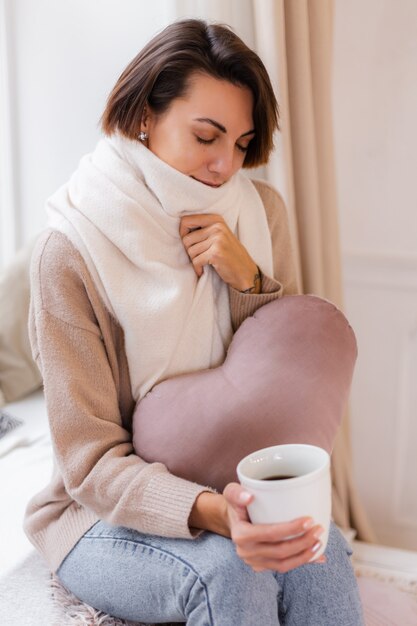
(264, 546)
(209, 241)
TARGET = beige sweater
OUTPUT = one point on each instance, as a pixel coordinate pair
(80, 352)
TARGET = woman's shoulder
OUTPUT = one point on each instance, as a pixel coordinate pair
(56, 260)
(272, 200)
(268, 192)
(53, 247)
(60, 281)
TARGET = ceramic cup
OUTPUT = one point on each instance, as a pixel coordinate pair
(302, 489)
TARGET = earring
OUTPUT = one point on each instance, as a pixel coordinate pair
(142, 136)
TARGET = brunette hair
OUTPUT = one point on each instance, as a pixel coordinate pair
(162, 69)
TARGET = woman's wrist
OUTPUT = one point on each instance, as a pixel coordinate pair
(209, 512)
(250, 282)
(256, 283)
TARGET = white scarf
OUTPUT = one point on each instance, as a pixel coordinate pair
(121, 209)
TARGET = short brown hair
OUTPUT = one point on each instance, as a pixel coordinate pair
(161, 72)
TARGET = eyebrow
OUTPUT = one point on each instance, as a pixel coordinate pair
(220, 127)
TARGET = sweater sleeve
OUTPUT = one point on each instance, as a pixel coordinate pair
(93, 450)
(284, 280)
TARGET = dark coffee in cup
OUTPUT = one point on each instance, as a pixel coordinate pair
(279, 477)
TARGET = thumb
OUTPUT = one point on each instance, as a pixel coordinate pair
(237, 496)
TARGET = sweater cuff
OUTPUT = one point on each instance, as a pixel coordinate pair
(243, 305)
(166, 504)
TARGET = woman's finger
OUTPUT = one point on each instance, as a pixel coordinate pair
(284, 549)
(236, 495)
(200, 261)
(300, 559)
(285, 565)
(237, 499)
(274, 533)
(198, 248)
(195, 236)
(200, 220)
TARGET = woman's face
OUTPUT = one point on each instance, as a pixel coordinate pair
(206, 133)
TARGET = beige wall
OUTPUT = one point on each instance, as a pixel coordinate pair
(375, 100)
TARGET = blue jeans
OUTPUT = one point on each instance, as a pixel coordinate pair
(204, 583)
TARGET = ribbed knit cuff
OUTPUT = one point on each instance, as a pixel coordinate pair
(243, 305)
(56, 540)
(166, 504)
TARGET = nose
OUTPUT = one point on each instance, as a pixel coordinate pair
(224, 164)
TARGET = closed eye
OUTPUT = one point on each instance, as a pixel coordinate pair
(209, 141)
(205, 141)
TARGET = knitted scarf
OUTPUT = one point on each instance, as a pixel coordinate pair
(121, 209)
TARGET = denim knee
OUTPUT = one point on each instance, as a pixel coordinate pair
(337, 544)
(232, 587)
(322, 594)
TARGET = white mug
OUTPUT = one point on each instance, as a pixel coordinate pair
(306, 493)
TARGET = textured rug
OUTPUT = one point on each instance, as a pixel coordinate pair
(25, 595)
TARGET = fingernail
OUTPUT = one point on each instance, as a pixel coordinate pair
(316, 546)
(308, 524)
(244, 497)
(318, 533)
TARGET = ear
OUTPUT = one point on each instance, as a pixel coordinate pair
(146, 119)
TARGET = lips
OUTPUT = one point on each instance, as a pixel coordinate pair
(206, 182)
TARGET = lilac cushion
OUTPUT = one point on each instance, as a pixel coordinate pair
(286, 379)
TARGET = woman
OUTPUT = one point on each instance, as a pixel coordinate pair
(158, 249)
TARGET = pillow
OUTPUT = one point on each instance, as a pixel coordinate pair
(286, 379)
(19, 373)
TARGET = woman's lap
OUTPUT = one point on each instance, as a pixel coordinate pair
(202, 581)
